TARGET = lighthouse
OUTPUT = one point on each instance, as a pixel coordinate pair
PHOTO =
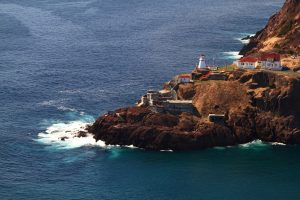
(202, 64)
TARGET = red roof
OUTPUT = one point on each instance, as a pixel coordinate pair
(274, 56)
(248, 59)
(184, 76)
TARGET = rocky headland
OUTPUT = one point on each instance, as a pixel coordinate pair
(280, 35)
(219, 108)
(257, 105)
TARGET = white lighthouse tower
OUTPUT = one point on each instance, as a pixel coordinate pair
(202, 64)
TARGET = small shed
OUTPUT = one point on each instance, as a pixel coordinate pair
(184, 78)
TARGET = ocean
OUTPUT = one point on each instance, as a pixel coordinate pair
(65, 62)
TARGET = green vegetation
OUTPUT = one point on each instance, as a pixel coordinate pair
(227, 68)
(286, 28)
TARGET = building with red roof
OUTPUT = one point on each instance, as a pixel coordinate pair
(271, 61)
(184, 78)
(270, 57)
(247, 63)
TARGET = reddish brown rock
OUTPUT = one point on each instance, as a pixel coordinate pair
(270, 112)
(281, 34)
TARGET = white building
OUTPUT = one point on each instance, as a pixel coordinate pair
(247, 63)
(184, 78)
(152, 97)
(202, 63)
(271, 61)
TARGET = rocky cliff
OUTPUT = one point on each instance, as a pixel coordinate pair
(281, 34)
(258, 105)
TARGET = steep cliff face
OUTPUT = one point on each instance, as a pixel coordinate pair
(259, 105)
(281, 34)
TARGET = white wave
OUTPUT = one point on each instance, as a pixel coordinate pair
(234, 55)
(244, 41)
(278, 144)
(254, 144)
(65, 135)
(169, 150)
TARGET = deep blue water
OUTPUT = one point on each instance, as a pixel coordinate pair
(65, 62)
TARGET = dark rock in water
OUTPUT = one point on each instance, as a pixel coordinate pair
(64, 138)
(259, 105)
(248, 47)
(81, 134)
(248, 37)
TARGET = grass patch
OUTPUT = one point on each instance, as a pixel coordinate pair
(227, 68)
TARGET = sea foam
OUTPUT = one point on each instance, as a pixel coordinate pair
(244, 41)
(258, 144)
(234, 55)
(65, 136)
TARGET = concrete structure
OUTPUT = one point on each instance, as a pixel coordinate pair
(143, 101)
(179, 106)
(155, 98)
(152, 97)
(271, 61)
(184, 78)
(247, 63)
(202, 63)
(216, 118)
(167, 95)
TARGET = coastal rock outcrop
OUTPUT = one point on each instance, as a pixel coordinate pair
(258, 105)
(242, 107)
(281, 34)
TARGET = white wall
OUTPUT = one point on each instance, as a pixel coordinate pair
(246, 65)
(271, 65)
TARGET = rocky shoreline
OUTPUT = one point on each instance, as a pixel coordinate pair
(258, 105)
(250, 104)
(281, 34)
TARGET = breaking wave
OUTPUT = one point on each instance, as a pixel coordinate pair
(259, 144)
(71, 134)
(244, 41)
(68, 135)
(255, 145)
(233, 55)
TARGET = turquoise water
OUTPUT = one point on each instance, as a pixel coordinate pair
(63, 63)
